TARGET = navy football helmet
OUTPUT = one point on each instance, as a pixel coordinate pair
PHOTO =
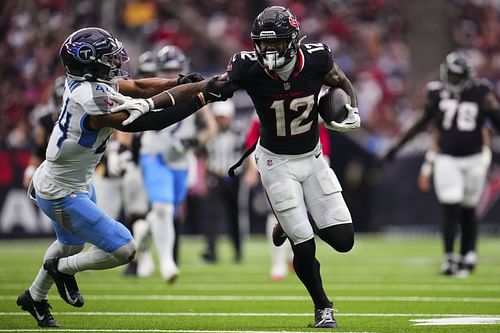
(93, 54)
(171, 58)
(147, 64)
(456, 72)
(276, 23)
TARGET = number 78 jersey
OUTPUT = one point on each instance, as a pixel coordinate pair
(459, 119)
(287, 110)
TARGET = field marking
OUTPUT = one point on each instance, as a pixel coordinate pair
(469, 320)
(252, 314)
(281, 287)
(157, 330)
(225, 298)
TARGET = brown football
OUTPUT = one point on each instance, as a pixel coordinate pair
(331, 105)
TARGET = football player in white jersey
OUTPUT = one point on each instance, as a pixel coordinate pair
(165, 158)
(459, 105)
(62, 184)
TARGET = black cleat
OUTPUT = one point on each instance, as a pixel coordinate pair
(131, 269)
(39, 310)
(323, 318)
(66, 284)
(279, 236)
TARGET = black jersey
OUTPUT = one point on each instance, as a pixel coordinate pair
(287, 109)
(47, 123)
(459, 119)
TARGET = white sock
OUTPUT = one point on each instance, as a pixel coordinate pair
(40, 287)
(279, 255)
(96, 259)
(141, 230)
(161, 219)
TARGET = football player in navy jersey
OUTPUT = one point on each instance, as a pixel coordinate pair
(458, 105)
(95, 103)
(283, 78)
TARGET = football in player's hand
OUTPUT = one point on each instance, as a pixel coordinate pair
(331, 105)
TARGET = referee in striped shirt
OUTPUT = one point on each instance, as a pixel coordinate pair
(221, 202)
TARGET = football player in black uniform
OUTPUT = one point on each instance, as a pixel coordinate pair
(42, 131)
(458, 105)
(283, 79)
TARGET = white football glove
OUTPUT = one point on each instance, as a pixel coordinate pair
(352, 121)
(136, 107)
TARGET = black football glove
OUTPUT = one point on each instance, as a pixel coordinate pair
(217, 90)
(189, 78)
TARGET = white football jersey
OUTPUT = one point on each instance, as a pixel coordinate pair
(73, 150)
(167, 142)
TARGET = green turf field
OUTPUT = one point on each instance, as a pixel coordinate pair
(384, 284)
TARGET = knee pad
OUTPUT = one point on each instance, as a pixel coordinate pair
(161, 212)
(126, 253)
(60, 250)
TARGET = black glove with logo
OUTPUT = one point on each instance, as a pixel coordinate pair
(219, 88)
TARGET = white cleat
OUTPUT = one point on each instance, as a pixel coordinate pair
(170, 272)
(145, 264)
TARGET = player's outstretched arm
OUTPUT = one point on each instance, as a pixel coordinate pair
(133, 115)
(416, 128)
(148, 87)
(492, 107)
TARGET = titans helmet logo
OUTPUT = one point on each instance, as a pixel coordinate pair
(82, 52)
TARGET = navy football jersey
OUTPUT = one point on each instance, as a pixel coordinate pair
(287, 109)
(459, 120)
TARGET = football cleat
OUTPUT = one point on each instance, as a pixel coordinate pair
(131, 269)
(449, 267)
(66, 284)
(323, 318)
(279, 236)
(39, 310)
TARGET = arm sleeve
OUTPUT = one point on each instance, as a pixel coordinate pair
(329, 58)
(160, 119)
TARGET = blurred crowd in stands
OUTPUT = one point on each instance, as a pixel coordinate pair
(368, 38)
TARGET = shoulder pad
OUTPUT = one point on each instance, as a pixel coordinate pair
(482, 82)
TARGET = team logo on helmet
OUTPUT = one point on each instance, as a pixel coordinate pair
(82, 52)
(293, 22)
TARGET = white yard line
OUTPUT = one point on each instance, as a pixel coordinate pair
(268, 286)
(225, 298)
(155, 330)
(252, 314)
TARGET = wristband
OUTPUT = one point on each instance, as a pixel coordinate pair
(151, 103)
(201, 98)
(171, 97)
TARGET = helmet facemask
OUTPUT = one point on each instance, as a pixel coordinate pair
(278, 26)
(281, 53)
(113, 62)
